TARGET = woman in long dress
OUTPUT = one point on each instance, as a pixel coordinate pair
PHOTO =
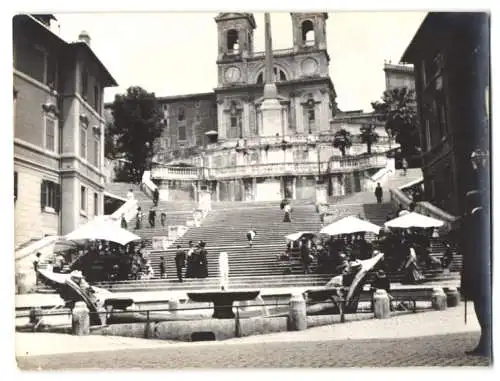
(412, 273)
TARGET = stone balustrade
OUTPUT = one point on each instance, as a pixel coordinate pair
(341, 164)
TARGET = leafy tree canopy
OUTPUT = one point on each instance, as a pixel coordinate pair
(136, 124)
(398, 110)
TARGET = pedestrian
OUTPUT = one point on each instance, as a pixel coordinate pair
(130, 194)
(476, 275)
(123, 222)
(180, 262)
(381, 282)
(190, 266)
(36, 266)
(404, 164)
(156, 196)
(250, 236)
(163, 218)
(162, 267)
(152, 217)
(288, 213)
(138, 218)
(379, 193)
(305, 254)
(447, 258)
(202, 257)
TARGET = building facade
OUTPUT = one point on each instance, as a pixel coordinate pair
(400, 75)
(58, 130)
(453, 97)
(217, 140)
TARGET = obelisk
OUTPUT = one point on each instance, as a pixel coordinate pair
(272, 117)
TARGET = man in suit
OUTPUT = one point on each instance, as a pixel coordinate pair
(476, 278)
(180, 261)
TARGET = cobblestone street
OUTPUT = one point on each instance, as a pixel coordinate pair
(442, 350)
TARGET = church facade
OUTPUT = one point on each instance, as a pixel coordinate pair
(219, 140)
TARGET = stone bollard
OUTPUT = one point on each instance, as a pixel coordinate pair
(381, 304)
(297, 319)
(80, 319)
(438, 299)
(452, 297)
(173, 305)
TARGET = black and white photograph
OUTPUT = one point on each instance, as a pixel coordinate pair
(252, 189)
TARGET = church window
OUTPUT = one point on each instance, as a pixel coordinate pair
(310, 116)
(308, 33)
(181, 131)
(232, 41)
(235, 130)
(181, 115)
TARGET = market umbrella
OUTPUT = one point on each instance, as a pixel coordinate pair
(299, 235)
(350, 225)
(103, 230)
(414, 220)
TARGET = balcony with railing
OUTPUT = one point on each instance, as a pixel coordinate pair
(334, 165)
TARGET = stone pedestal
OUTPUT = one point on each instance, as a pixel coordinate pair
(381, 304)
(80, 320)
(452, 297)
(297, 319)
(272, 116)
(438, 299)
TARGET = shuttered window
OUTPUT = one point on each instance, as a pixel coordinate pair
(50, 195)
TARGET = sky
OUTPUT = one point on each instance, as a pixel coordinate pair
(175, 53)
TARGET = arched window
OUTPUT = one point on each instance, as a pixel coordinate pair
(232, 41)
(308, 32)
(278, 76)
(309, 108)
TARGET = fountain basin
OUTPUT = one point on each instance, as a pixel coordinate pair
(223, 300)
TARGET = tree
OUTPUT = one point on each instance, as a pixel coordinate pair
(342, 140)
(399, 112)
(368, 136)
(136, 124)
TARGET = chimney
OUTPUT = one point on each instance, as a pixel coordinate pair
(84, 37)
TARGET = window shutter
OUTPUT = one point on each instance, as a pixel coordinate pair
(43, 194)
(57, 198)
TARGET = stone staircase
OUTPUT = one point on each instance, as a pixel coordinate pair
(225, 228)
(121, 190)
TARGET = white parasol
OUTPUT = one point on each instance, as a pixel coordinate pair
(350, 225)
(414, 220)
(105, 230)
(299, 235)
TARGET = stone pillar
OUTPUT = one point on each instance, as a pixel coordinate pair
(297, 318)
(217, 195)
(294, 188)
(452, 297)
(80, 320)
(438, 299)
(254, 189)
(381, 304)
(321, 194)
(173, 305)
(163, 190)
